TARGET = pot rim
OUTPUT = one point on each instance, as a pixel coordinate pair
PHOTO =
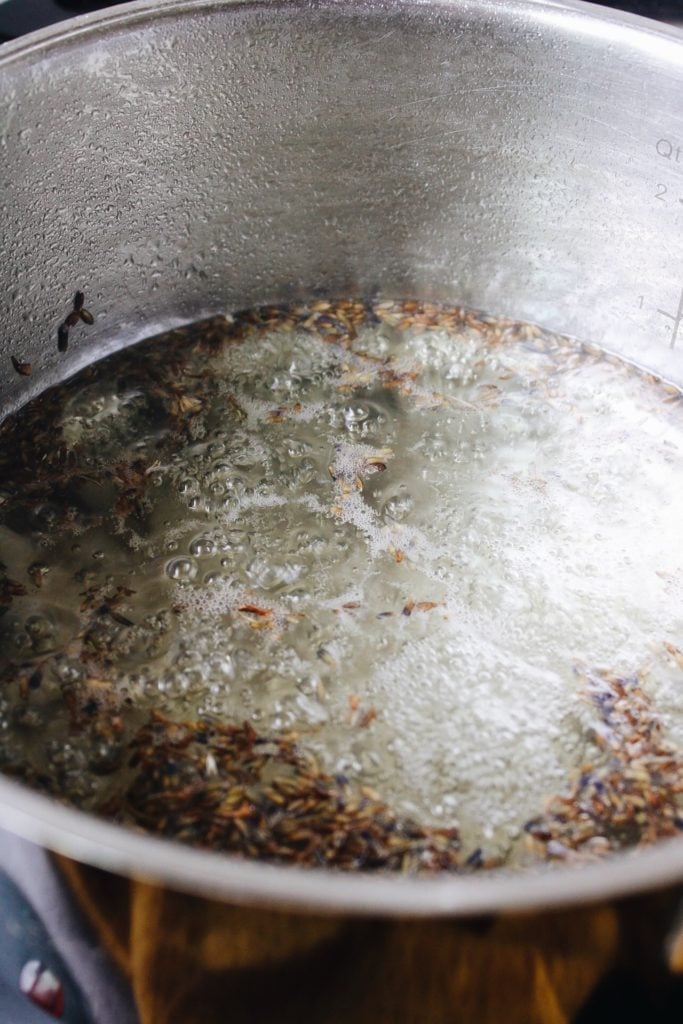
(131, 853)
(123, 850)
(586, 18)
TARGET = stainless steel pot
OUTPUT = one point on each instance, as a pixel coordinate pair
(182, 157)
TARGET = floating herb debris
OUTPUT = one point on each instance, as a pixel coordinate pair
(630, 794)
(9, 589)
(228, 788)
(379, 534)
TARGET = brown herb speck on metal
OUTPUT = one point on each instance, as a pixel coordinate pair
(24, 369)
(77, 313)
(63, 337)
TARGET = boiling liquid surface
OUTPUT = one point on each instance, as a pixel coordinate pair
(398, 541)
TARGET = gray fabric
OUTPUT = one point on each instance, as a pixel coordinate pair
(101, 987)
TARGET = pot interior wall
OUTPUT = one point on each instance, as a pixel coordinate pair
(210, 156)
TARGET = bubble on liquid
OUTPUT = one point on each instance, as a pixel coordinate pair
(355, 412)
(269, 575)
(39, 627)
(68, 671)
(235, 541)
(284, 382)
(305, 471)
(106, 756)
(297, 448)
(183, 569)
(313, 711)
(203, 545)
(398, 506)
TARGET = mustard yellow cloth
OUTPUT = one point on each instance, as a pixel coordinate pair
(192, 961)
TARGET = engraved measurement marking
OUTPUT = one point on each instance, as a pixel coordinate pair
(662, 191)
(669, 150)
(676, 318)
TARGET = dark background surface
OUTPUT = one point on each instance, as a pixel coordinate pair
(20, 16)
